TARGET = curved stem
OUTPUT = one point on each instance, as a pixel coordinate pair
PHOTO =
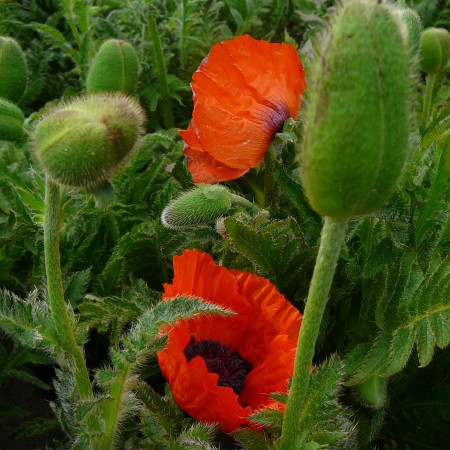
(55, 288)
(161, 70)
(269, 180)
(431, 79)
(333, 233)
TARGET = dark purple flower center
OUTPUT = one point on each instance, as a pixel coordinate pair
(231, 367)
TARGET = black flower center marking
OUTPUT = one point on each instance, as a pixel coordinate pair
(231, 367)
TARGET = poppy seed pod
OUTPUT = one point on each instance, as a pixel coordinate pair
(13, 70)
(356, 131)
(11, 120)
(413, 28)
(205, 203)
(434, 50)
(114, 69)
(81, 143)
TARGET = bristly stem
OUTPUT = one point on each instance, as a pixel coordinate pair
(55, 288)
(431, 79)
(333, 233)
(269, 179)
(162, 73)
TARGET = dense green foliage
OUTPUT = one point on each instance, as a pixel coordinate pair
(388, 314)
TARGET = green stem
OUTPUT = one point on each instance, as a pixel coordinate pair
(431, 79)
(269, 180)
(257, 192)
(333, 233)
(55, 288)
(161, 71)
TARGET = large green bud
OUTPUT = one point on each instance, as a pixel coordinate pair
(13, 70)
(356, 132)
(81, 143)
(114, 69)
(434, 50)
(11, 120)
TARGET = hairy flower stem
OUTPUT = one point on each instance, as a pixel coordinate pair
(431, 79)
(333, 233)
(269, 180)
(55, 288)
(162, 73)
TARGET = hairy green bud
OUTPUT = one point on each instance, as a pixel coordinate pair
(81, 143)
(413, 28)
(114, 69)
(434, 50)
(13, 70)
(11, 120)
(372, 392)
(202, 205)
(357, 122)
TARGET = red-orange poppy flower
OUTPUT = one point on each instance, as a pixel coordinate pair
(222, 369)
(243, 92)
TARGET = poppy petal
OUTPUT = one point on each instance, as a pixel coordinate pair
(243, 92)
(196, 390)
(272, 315)
(203, 167)
(197, 274)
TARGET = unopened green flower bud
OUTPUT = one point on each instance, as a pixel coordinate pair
(357, 122)
(81, 143)
(11, 120)
(434, 50)
(372, 392)
(413, 28)
(114, 69)
(202, 205)
(13, 70)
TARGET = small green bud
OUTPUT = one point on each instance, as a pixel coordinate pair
(81, 143)
(11, 120)
(372, 392)
(434, 50)
(13, 70)
(114, 69)
(204, 204)
(357, 121)
(413, 28)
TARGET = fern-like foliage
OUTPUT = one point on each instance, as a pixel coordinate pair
(276, 249)
(414, 309)
(106, 414)
(323, 422)
(164, 425)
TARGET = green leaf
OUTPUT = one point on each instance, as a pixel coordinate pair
(417, 311)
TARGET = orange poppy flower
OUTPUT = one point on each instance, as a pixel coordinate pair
(243, 92)
(222, 369)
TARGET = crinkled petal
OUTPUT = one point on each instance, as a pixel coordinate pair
(196, 391)
(203, 167)
(272, 375)
(272, 315)
(195, 273)
(243, 92)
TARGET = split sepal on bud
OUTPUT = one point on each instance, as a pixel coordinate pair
(13, 70)
(202, 205)
(11, 121)
(82, 142)
(357, 120)
(114, 69)
(434, 50)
